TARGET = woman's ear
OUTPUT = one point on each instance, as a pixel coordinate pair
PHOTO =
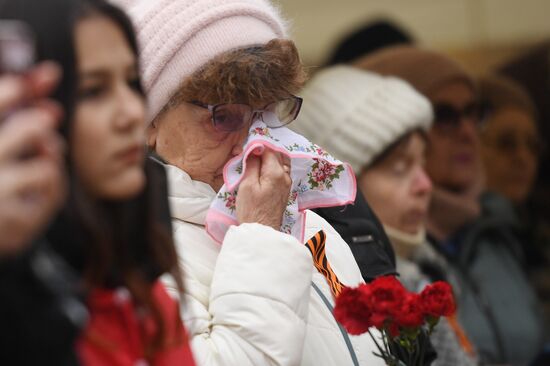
(151, 135)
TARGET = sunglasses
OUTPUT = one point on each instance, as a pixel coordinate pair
(233, 116)
(448, 117)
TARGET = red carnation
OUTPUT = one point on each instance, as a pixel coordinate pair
(411, 314)
(400, 315)
(393, 329)
(352, 309)
(386, 299)
(437, 299)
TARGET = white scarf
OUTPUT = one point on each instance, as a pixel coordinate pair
(405, 244)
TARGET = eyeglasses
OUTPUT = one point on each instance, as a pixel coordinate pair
(233, 117)
(449, 118)
(510, 143)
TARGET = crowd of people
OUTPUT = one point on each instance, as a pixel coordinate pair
(116, 143)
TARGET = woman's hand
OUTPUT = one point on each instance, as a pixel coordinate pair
(31, 157)
(264, 189)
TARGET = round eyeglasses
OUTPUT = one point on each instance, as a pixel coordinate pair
(234, 116)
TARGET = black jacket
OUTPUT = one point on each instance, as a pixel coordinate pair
(360, 228)
(41, 312)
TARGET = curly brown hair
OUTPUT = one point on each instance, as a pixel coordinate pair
(254, 75)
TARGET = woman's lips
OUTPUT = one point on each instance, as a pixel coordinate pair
(415, 217)
(131, 155)
(464, 158)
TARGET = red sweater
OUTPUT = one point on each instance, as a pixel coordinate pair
(114, 336)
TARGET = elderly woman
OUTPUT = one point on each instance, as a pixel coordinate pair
(497, 306)
(379, 124)
(511, 148)
(210, 68)
(511, 143)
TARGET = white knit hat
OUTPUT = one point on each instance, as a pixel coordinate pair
(355, 114)
(177, 37)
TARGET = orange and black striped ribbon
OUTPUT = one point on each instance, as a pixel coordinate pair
(316, 246)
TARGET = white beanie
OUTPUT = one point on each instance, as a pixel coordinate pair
(355, 114)
(177, 37)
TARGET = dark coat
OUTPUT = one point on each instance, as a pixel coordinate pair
(360, 228)
(41, 313)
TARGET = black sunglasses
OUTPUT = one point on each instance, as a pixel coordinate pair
(234, 116)
(448, 117)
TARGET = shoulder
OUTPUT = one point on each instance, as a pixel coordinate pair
(314, 223)
(338, 251)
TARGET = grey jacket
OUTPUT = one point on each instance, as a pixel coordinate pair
(496, 304)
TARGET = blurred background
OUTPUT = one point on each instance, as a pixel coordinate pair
(480, 33)
(508, 37)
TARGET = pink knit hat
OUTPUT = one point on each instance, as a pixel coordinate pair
(177, 37)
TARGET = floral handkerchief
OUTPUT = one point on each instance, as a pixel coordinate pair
(318, 180)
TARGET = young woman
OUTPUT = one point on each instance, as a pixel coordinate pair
(511, 150)
(114, 230)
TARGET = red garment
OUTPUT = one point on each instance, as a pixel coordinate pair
(113, 335)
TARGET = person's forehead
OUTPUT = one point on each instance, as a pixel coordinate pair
(456, 92)
(101, 44)
(512, 117)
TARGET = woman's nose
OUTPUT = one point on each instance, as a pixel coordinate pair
(467, 130)
(422, 183)
(130, 111)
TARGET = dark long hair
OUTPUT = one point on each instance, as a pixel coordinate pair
(111, 243)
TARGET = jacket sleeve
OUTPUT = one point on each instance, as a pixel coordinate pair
(256, 311)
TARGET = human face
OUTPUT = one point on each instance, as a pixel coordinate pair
(452, 160)
(510, 149)
(107, 140)
(185, 137)
(398, 188)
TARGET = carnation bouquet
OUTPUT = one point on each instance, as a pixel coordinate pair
(405, 319)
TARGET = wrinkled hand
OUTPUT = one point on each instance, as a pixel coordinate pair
(31, 157)
(264, 189)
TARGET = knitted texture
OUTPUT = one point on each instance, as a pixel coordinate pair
(177, 37)
(355, 115)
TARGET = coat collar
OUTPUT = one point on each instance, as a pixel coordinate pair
(189, 199)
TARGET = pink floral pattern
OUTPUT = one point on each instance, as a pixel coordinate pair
(318, 180)
(293, 197)
(322, 174)
(319, 150)
(262, 131)
(230, 200)
(311, 148)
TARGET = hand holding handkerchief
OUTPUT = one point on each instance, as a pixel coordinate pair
(318, 180)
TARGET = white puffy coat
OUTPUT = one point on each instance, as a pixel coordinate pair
(250, 301)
